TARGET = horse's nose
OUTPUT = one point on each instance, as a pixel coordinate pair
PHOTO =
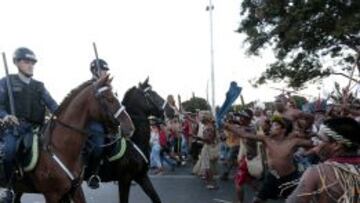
(127, 130)
(126, 124)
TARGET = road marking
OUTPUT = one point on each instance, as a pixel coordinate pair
(173, 176)
(179, 176)
(221, 201)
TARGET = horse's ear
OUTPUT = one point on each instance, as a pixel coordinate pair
(103, 80)
(146, 81)
(110, 80)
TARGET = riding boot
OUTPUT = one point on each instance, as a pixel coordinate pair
(3, 173)
(94, 180)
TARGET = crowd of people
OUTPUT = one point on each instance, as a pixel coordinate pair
(299, 154)
(284, 152)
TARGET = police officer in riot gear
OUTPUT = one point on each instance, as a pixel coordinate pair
(31, 99)
(98, 68)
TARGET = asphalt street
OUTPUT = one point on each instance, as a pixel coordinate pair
(173, 187)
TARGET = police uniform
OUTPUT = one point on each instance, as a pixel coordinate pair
(95, 140)
(30, 101)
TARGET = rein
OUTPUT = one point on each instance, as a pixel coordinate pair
(78, 130)
(87, 132)
(150, 100)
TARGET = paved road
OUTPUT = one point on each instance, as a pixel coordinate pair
(173, 187)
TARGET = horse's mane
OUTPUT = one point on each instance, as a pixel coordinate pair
(126, 95)
(71, 95)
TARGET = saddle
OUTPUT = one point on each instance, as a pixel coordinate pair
(117, 151)
(27, 154)
(27, 150)
(114, 150)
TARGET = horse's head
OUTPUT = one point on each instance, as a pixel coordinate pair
(106, 108)
(143, 101)
(156, 103)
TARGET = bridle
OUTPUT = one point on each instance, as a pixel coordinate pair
(100, 98)
(112, 116)
(151, 101)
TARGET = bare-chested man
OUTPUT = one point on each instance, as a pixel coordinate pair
(282, 176)
(248, 150)
(338, 178)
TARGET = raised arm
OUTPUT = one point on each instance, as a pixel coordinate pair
(307, 116)
(301, 142)
(241, 132)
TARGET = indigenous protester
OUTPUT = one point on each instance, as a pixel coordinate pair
(31, 99)
(337, 179)
(209, 154)
(282, 176)
(175, 138)
(250, 157)
(187, 134)
(285, 107)
(233, 143)
(171, 101)
(165, 147)
(206, 165)
(259, 115)
(197, 142)
(155, 161)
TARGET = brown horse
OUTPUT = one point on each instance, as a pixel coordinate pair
(58, 173)
(140, 102)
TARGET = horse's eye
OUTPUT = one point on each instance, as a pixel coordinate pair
(110, 99)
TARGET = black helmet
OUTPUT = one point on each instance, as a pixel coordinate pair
(24, 53)
(102, 65)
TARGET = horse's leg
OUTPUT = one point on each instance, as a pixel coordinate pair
(124, 188)
(52, 198)
(17, 198)
(148, 188)
(79, 196)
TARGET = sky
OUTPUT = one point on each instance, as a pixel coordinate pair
(167, 40)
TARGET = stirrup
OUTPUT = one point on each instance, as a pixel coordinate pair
(19, 172)
(97, 180)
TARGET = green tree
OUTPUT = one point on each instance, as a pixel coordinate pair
(299, 101)
(240, 107)
(195, 103)
(305, 36)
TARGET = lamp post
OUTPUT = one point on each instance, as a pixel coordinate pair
(210, 8)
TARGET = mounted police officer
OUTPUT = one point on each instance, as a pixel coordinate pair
(98, 68)
(31, 99)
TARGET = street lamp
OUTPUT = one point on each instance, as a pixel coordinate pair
(210, 8)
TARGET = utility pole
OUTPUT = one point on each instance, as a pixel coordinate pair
(210, 8)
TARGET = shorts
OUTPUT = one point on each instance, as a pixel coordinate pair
(242, 175)
(275, 188)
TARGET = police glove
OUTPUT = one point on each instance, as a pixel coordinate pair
(10, 119)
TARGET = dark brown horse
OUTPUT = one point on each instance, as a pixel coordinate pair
(140, 103)
(58, 173)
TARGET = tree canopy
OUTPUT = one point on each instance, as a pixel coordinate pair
(195, 103)
(306, 35)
